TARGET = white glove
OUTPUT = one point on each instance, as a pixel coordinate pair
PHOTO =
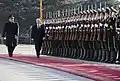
(16, 37)
(43, 38)
(32, 39)
(3, 38)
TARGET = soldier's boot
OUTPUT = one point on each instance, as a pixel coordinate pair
(43, 51)
(50, 51)
(68, 52)
(47, 49)
(89, 57)
(75, 53)
(80, 53)
(118, 57)
(54, 54)
(72, 52)
(63, 51)
(91, 54)
(88, 53)
(103, 56)
(99, 55)
(60, 52)
(57, 52)
(113, 57)
(83, 54)
(95, 55)
(107, 56)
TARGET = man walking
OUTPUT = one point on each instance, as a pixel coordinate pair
(38, 34)
(10, 33)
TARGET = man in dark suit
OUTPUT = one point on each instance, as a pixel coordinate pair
(10, 33)
(38, 34)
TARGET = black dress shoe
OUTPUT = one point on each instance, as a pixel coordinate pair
(10, 54)
(38, 55)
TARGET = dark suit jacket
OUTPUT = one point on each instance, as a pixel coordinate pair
(9, 31)
(38, 33)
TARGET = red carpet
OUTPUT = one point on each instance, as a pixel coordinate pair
(93, 71)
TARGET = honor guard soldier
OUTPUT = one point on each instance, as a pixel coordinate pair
(118, 30)
(102, 34)
(95, 36)
(110, 29)
(112, 38)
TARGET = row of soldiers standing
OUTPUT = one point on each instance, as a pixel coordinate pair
(92, 36)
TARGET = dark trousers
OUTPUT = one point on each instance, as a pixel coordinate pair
(10, 50)
(38, 45)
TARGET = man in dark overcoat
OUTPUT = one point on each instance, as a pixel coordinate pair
(38, 34)
(10, 33)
